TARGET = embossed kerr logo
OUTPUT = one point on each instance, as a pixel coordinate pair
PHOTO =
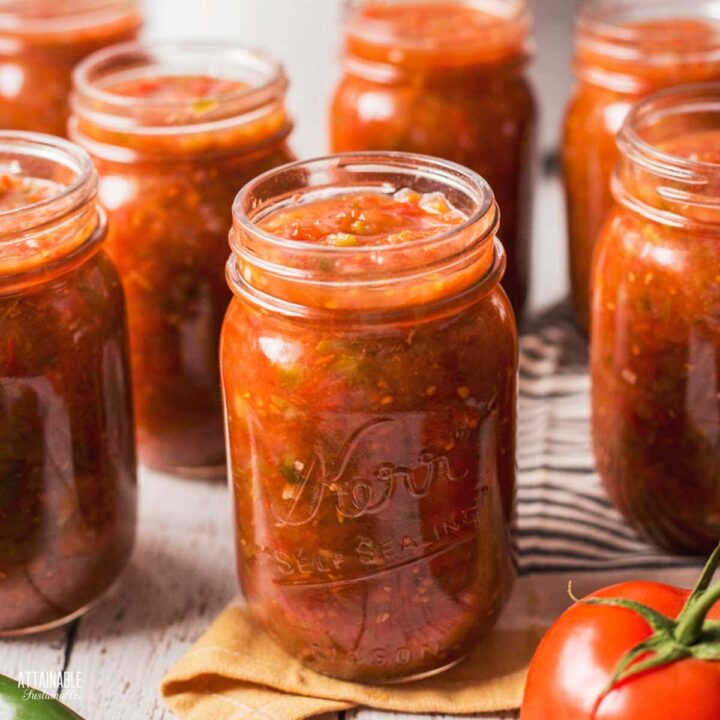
(356, 495)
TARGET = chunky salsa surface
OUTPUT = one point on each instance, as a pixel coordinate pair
(417, 230)
(172, 106)
(199, 90)
(656, 362)
(596, 114)
(372, 461)
(364, 219)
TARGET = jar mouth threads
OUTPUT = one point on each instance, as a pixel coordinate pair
(631, 45)
(656, 180)
(246, 103)
(369, 276)
(44, 157)
(43, 233)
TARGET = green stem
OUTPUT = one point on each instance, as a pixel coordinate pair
(691, 621)
(705, 579)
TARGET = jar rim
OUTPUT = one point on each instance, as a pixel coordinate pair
(390, 159)
(41, 239)
(167, 57)
(672, 101)
(663, 186)
(362, 317)
(55, 150)
(364, 278)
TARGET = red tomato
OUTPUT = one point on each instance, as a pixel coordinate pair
(571, 675)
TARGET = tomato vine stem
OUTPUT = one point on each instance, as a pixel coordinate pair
(690, 624)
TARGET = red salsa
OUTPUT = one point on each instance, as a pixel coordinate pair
(41, 41)
(67, 456)
(656, 326)
(619, 61)
(372, 447)
(172, 149)
(363, 219)
(202, 92)
(446, 79)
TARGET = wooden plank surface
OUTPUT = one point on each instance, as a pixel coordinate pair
(38, 654)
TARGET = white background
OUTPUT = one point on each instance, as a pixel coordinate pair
(306, 36)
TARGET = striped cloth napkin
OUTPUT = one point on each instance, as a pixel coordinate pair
(566, 524)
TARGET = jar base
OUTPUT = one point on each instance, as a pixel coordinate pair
(60, 622)
(426, 674)
(402, 680)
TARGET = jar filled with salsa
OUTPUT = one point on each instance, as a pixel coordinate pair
(626, 50)
(175, 130)
(446, 78)
(67, 447)
(41, 41)
(369, 365)
(656, 323)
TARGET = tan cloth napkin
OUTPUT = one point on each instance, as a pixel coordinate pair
(235, 671)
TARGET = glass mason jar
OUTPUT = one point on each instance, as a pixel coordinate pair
(446, 79)
(67, 448)
(656, 323)
(626, 50)
(175, 130)
(41, 41)
(372, 447)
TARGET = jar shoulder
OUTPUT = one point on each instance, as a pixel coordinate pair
(648, 272)
(75, 313)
